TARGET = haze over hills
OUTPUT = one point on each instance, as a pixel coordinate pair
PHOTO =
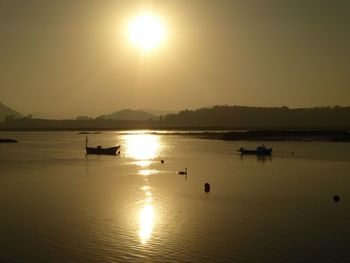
(124, 114)
(7, 111)
(130, 115)
(143, 114)
(217, 117)
(157, 112)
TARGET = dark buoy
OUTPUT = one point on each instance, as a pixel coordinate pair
(207, 187)
(162, 161)
(336, 198)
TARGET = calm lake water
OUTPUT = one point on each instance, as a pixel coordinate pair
(58, 205)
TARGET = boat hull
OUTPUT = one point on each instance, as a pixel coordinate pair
(8, 141)
(266, 151)
(99, 150)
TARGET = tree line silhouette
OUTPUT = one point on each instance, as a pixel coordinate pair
(261, 117)
(217, 117)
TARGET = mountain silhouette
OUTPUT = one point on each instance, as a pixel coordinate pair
(7, 111)
(218, 117)
(130, 115)
(157, 112)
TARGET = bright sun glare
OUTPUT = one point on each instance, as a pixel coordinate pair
(146, 31)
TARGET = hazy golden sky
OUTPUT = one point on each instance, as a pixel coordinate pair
(68, 58)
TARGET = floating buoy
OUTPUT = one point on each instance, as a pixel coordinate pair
(162, 161)
(207, 187)
(336, 198)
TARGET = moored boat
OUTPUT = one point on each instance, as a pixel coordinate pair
(8, 141)
(99, 150)
(260, 150)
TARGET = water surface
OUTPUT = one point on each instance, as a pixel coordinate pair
(59, 205)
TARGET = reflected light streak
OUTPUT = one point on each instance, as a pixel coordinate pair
(146, 216)
(149, 200)
(145, 188)
(147, 172)
(143, 163)
(142, 147)
(146, 223)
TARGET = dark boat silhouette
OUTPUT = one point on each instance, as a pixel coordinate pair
(8, 141)
(99, 150)
(260, 150)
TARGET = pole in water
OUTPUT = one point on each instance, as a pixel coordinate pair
(207, 187)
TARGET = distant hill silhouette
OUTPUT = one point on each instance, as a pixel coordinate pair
(156, 112)
(7, 111)
(260, 117)
(217, 117)
(130, 115)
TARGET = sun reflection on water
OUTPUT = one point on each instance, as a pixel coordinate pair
(143, 163)
(147, 172)
(146, 223)
(142, 147)
(146, 220)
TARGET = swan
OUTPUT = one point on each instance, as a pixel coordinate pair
(183, 172)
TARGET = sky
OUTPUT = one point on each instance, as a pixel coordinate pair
(68, 58)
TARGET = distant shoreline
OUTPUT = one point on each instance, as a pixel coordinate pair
(285, 135)
(342, 135)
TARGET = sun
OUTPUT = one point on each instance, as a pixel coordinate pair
(146, 31)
